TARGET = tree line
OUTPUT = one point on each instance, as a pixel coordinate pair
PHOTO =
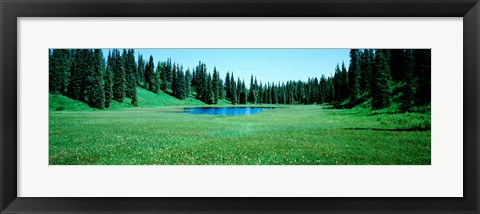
(380, 77)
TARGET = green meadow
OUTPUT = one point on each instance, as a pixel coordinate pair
(159, 133)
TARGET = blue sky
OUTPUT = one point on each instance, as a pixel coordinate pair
(271, 65)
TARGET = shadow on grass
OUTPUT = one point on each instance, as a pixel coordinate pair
(391, 130)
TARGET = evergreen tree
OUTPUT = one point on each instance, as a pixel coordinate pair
(150, 75)
(59, 69)
(162, 70)
(397, 64)
(380, 87)
(216, 86)
(188, 82)
(227, 87)
(344, 82)
(366, 69)
(422, 74)
(108, 81)
(118, 87)
(407, 97)
(354, 75)
(130, 73)
(140, 71)
(77, 76)
(95, 94)
(251, 91)
(233, 90)
(180, 85)
(209, 99)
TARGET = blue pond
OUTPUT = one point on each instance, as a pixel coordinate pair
(228, 111)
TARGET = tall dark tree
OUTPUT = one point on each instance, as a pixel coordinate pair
(209, 99)
(344, 82)
(180, 85)
(251, 92)
(108, 81)
(407, 88)
(188, 82)
(380, 86)
(227, 87)
(78, 72)
(216, 86)
(397, 66)
(59, 70)
(150, 75)
(354, 75)
(366, 69)
(95, 95)
(130, 73)
(140, 71)
(233, 90)
(423, 76)
(119, 86)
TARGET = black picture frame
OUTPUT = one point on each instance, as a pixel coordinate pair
(10, 10)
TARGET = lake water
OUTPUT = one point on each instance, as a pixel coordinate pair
(228, 111)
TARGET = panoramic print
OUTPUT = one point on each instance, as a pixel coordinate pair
(239, 106)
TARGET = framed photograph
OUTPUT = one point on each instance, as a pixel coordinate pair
(226, 106)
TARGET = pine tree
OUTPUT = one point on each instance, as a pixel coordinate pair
(130, 73)
(150, 75)
(354, 75)
(407, 97)
(77, 76)
(59, 69)
(227, 87)
(251, 91)
(216, 86)
(423, 77)
(95, 94)
(209, 99)
(188, 82)
(366, 69)
(162, 70)
(397, 66)
(233, 90)
(141, 71)
(180, 85)
(380, 87)
(344, 82)
(108, 81)
(118, 87)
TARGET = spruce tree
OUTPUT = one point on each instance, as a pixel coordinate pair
(77, 76)
(354, 75)
(118, 87)
(407, 97)
(380, 87)
(209, 99)
(233, 90)
(59, 69)
(108, 81)
(95, 94)
(227, 87)
(150, 75)
(188, 82)
(423, 76)
(140, 71)
(215, 86)
(366, 69)
(130, 73)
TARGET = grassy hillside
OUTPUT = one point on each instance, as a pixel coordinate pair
(146, 99)
(62, 103)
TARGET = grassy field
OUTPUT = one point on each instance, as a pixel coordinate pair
(290, 135)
